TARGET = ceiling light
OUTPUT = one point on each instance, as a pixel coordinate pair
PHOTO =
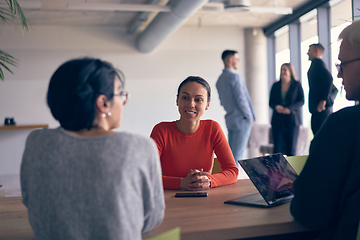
(237, 6)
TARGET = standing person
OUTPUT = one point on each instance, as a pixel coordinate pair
(327, 192)
(83, 180)
(286, 101)
(235, 99)
(320, 85)
(187, 146)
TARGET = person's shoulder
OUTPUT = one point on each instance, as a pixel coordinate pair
(297, 83)
(37, 132)
(352, 111)
(346, 117)
(41, 133)
(209, 123)
(164, 125)
(318, 62)
(277, 83)
(163, 129)
(229, 73)
(133, 139)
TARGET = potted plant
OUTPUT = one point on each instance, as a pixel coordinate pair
(10, 11)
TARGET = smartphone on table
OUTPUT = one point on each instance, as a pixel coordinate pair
(191, 194)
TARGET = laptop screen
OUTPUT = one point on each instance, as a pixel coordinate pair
(272, 175)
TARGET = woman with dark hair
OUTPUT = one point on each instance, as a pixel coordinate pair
(83, 180)
(286, 100)
(187, 146)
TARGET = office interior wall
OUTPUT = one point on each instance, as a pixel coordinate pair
(152, 79)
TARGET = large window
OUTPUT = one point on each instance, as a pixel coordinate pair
(309, 35)
(282, 47)
(340, 18)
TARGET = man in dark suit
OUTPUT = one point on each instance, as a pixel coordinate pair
(327, 191)
(320, 84)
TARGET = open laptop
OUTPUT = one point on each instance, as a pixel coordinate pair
(273, 177)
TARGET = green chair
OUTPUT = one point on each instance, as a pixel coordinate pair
(358, 235)
(216, 167)
(173, 234)
(297, 162)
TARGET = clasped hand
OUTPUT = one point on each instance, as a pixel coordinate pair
(196, 180)
(281, 109)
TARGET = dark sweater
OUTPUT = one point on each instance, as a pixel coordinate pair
(327, 192)
(105, 187)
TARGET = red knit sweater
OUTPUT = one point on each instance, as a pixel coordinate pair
(181, 152)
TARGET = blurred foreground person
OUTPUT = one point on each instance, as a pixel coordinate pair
(83, 180)
(327, 192)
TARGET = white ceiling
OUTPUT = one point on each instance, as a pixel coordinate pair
(56, 12)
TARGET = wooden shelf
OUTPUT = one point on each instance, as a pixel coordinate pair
(18, 127)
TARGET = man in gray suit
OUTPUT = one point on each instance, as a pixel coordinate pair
(235, 99)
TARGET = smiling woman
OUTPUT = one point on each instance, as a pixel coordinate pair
(187, 146)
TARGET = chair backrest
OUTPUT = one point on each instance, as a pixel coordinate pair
(259, 135)
(358, 235)
(303, 140)
(301, 146)
(216, 167)
(173, 234)
(297, 162)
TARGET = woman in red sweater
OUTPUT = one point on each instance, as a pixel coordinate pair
(187, 146)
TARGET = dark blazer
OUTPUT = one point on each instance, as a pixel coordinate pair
(320, 84)
(294, 100)
(327, 192)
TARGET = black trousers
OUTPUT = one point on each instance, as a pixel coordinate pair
(285, 139)
(318, 119)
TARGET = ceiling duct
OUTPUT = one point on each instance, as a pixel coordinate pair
(165, 23)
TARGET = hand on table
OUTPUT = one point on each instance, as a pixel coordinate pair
(196, 180)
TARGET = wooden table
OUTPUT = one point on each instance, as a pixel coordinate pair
(14, 224)
(209, 218)
(199, 218)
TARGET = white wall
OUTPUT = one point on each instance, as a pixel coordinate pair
(152, 79)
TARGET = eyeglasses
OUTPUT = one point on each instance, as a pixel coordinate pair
(124, 96)
(339, 67)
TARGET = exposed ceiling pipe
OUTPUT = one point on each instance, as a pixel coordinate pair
(111, 7)
(164, 24)
(140, 19)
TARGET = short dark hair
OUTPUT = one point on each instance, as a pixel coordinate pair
(199, 80)
(318, 46)
(227, 53)
(74, 88)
